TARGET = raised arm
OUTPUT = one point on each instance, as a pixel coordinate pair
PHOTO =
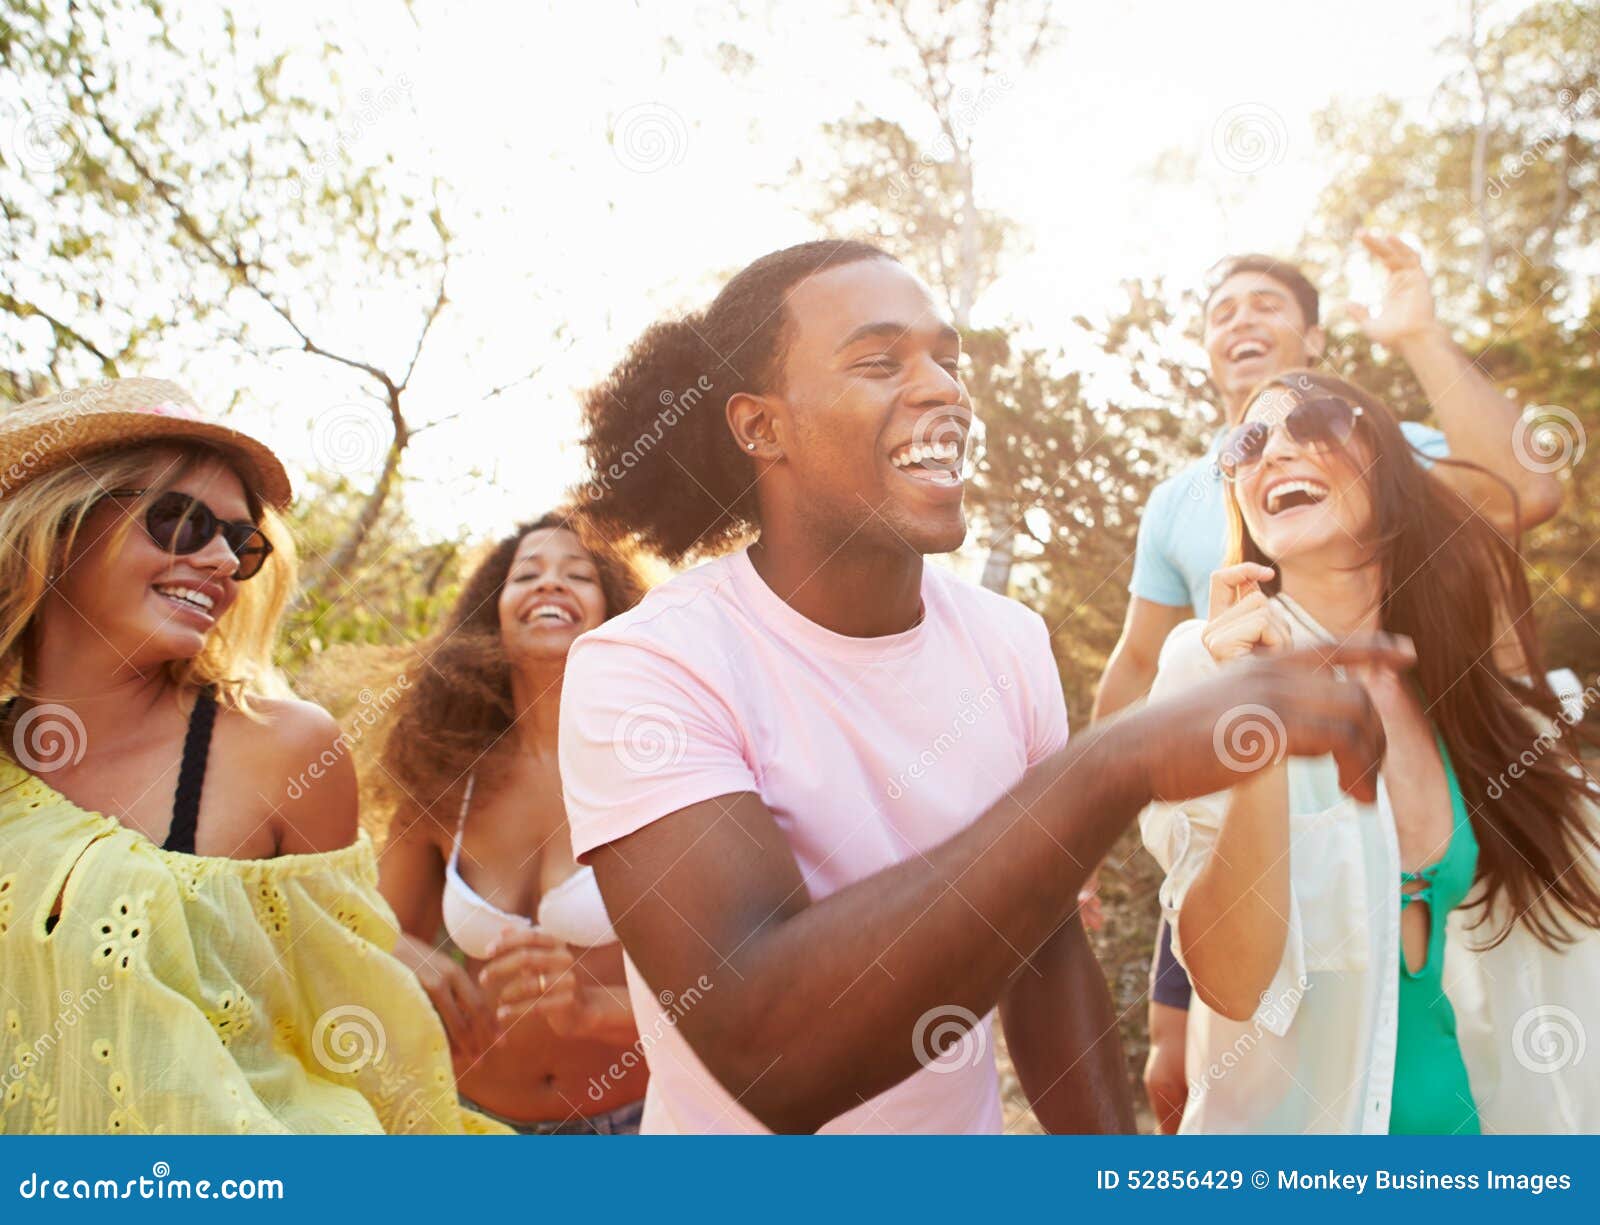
(1234, 922)
(814, 1003)
(1232, 918)
(1479, 422)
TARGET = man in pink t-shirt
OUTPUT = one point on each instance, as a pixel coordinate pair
(826, 789)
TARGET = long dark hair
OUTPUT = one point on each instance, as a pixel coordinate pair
(1455, 585)
(459, 705)
(663, 465)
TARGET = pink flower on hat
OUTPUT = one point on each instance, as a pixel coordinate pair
(169, 408)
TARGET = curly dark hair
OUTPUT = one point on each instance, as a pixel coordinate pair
(664, 467)
(459, 705)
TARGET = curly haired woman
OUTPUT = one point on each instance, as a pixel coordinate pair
(538, 1015)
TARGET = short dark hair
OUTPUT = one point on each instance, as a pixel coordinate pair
(1285, 273)
(663, 465)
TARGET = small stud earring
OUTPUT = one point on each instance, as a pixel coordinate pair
(749, 446)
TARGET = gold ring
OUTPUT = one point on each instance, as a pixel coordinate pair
(541, 984)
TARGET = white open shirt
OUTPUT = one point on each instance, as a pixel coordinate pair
(1319, 1054)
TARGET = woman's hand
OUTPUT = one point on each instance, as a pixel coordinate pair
(461, 1004)
(1242, 620)
(531, 974)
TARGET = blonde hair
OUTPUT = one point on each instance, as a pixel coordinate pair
(40, 522)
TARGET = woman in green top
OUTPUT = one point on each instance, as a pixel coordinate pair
(1337, 530)
(1434, 1096)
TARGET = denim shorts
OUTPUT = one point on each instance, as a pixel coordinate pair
(623, 1121)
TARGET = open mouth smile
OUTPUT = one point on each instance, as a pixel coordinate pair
(933, 463)
(548, 612)
(1292, 493)
(192, 600)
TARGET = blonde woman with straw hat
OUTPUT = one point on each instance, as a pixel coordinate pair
(191, 935)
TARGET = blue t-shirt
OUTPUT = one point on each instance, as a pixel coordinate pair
(1184, 531)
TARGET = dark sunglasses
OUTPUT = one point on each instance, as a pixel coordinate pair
(1321, 424)
(183, 524)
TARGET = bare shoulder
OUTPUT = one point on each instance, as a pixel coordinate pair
(295, 757)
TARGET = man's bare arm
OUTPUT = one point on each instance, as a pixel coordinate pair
(812, 1006)
(1061, 1030)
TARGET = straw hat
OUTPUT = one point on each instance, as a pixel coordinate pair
(52, 431)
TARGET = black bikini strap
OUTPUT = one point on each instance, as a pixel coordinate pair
(192, 774)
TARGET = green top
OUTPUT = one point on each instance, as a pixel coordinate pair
(1431, 1093)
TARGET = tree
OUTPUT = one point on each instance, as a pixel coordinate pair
(396, 594)
(1498, 178)
(919, 199)
(187, 179)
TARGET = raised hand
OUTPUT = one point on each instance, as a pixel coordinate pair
(1407, 309)
(1242, 620)
(1212, 736)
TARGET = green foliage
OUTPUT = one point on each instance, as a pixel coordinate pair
(891, 190)
(184, 180)
(1510, 237)
(395, 596)
(158, 162)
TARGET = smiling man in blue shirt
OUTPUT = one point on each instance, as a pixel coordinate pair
(1263, 316)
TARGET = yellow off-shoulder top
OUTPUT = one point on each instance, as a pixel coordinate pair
(186, 994)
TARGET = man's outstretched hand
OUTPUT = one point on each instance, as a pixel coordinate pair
(1257, 712)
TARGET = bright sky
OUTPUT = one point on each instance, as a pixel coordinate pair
(610, 170)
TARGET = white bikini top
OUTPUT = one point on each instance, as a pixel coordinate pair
(573, 911)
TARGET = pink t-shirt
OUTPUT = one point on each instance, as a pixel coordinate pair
(867, 751)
